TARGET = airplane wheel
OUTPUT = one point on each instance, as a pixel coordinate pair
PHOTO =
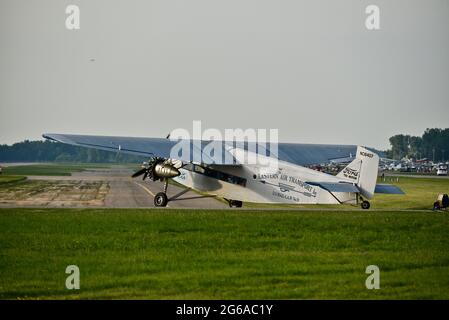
(365, 205)
(235, 203)
(160, 200)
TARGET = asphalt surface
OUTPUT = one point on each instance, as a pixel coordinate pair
(394, 175)
(114, 188)
(126, 192)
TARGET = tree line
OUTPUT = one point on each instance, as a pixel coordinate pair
(433, 145)
(50, 151)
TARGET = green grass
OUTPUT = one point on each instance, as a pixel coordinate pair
(51, 169)
(199, 254)
(5, 179)
(420, 194)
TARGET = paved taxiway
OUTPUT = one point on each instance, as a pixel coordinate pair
(111, 188)
(125, 192)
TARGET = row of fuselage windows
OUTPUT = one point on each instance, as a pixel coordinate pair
(226, 177)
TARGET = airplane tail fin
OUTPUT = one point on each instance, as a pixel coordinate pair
(362, 171)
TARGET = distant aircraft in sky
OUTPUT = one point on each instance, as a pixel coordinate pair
(283, 178)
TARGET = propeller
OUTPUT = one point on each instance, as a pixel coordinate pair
(148, 169)
(140, 172)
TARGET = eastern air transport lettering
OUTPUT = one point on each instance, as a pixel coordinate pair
(303, 185)
(268, 176)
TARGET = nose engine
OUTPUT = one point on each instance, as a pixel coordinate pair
(159, 169)
(166, 171)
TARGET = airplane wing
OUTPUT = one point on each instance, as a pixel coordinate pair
(136, 146)
(147, 147)
(296, 153)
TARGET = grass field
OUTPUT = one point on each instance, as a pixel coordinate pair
(6, 180)
(420, 194)
(194, 254)
(51, 169)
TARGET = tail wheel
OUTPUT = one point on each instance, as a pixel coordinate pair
(235, 204)
(365, 205)
(160, 200)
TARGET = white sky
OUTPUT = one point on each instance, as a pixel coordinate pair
(308, 68)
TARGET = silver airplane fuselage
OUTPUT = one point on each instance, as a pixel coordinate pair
(275, 182)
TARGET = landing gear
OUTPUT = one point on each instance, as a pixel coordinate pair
(160, 200)
(365, 205)
(158, 168)
(235, 203)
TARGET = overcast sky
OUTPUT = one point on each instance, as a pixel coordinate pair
(143, 68)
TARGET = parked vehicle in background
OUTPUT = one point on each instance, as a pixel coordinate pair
(442, 170)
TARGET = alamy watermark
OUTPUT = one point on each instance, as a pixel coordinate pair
(372, 21)
(72, 21)
(233, 146)
(72, 282)
(373, 280)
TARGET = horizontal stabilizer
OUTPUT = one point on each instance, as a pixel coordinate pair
(336, 187)
(388, 189)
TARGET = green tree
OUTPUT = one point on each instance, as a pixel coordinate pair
(433, 145)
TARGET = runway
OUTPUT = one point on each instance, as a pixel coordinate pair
(113, 187)
(108, 188)
(424, 176)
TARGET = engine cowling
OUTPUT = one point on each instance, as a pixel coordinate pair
(159, 168)
(165, 171)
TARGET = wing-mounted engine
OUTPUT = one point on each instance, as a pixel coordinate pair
(158, 168)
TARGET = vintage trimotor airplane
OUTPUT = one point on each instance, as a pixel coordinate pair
(282, 178)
